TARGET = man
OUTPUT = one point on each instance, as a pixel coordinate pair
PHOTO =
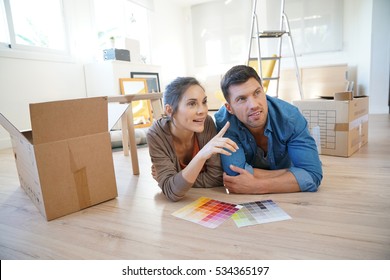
(276, 151)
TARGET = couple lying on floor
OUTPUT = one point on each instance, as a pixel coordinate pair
(257, 145)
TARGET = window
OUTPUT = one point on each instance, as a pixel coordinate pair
(4, 35)
(220, 31)
(120, 19)
(33, 25)
(316, 26)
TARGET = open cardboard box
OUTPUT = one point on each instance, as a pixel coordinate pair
(343, 123)
(65, 162)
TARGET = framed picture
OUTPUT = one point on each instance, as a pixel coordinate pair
(152, 80)
(142, 109)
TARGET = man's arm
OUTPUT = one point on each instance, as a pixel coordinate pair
(302, 150)
(261, 181)
(237, 158)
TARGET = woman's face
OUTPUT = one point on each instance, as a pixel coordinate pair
(192, 110)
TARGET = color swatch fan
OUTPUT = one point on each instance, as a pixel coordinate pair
(207, 212)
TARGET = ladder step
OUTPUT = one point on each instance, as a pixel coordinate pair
(271, 79)
(266, 58)
(271, 57)
(272, 33)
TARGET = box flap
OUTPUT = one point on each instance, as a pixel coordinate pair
(12, 130)
(358, 108)
(115, 112)
(59, 120)
(343, 95)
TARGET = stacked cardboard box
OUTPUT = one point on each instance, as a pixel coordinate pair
(343, 123)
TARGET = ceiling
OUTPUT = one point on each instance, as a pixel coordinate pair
(186, 3)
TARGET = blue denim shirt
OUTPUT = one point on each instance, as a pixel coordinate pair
(290, 144)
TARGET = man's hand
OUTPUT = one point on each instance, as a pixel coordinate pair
(262, 182)
(242, 183)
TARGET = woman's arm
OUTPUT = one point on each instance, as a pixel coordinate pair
(175, 183)
(208, 155)
(167, 172)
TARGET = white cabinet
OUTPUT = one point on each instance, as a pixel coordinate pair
(102, 78)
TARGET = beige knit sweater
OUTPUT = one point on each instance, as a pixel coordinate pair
(163, 156)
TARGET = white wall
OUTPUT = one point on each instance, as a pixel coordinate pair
(25, 79)
(357, 45)
(365, 49)
(379, 74)
(168, 44)
(29, 78)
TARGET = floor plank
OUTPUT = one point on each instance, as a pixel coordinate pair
(348, 218)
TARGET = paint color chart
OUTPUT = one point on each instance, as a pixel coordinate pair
(207, 212)
(259, 212)
(212, 213)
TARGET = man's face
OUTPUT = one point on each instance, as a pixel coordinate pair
(248, 103)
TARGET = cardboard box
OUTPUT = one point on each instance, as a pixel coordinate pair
(343, 124)
(116, 54)
(65, 162)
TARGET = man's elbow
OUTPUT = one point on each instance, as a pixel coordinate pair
(230, 172)
(226, 168)
(314, 184)
(308, 181)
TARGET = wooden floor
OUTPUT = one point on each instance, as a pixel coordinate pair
(348, 218)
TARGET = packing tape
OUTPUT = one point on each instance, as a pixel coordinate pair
(81, 181)
(345, 95)
(353, 124)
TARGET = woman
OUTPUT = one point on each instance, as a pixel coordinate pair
(184, 146)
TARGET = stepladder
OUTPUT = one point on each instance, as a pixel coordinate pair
(269, 66)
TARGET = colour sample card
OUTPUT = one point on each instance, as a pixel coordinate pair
(259, 212)
(244, 218)
(207, 212)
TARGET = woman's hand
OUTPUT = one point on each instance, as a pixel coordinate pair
(219, 145)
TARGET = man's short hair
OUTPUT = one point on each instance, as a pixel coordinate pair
(237, 75)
